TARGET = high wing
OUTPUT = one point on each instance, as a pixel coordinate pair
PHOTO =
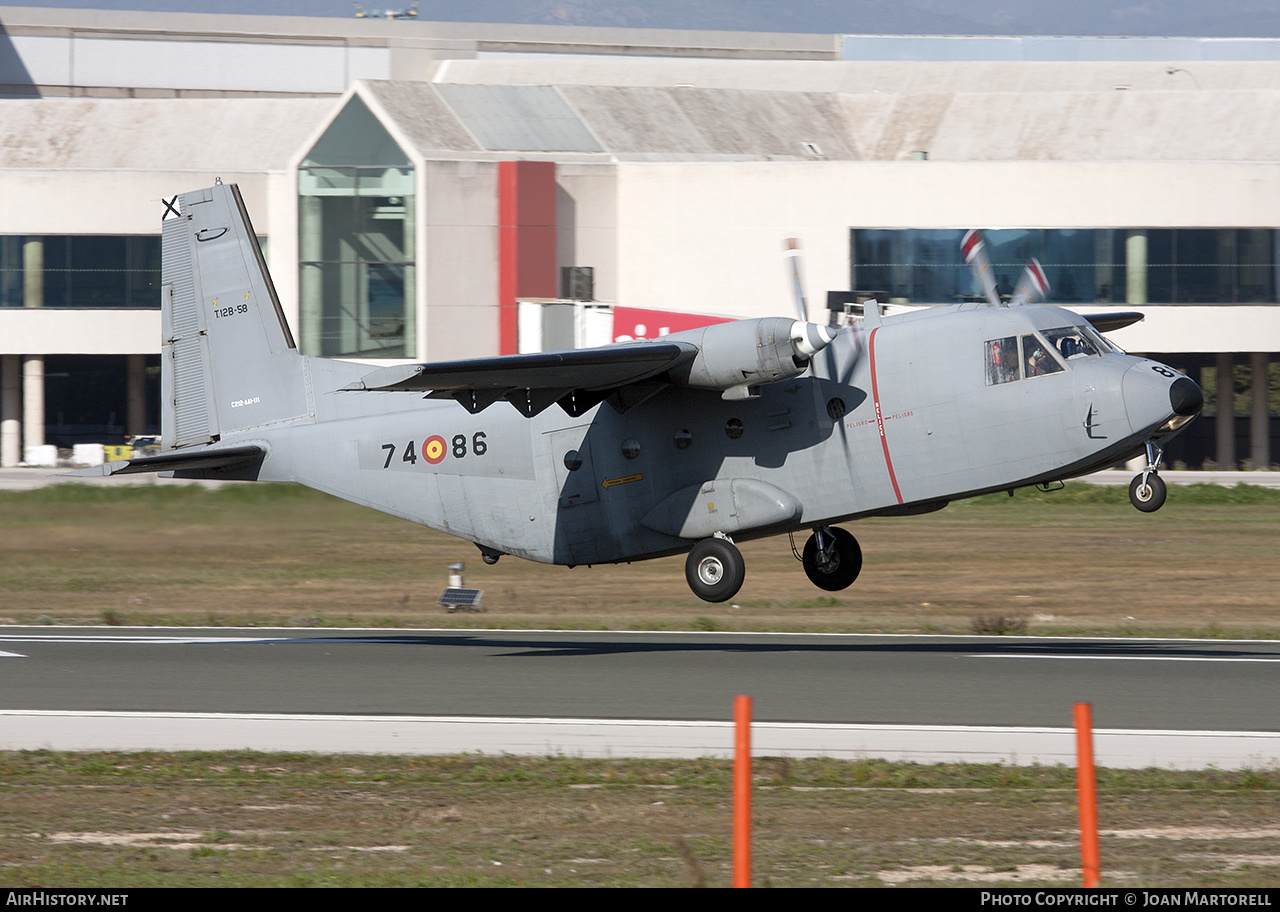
(577, 378)
(1105, 322)
(733, 358)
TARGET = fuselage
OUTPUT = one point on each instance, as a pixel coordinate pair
(925, 408)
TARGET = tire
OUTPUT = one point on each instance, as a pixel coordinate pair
(845, 565)
(715, 570)
(1149, 497)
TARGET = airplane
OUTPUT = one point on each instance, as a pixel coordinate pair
(683, 444)
(408, 12)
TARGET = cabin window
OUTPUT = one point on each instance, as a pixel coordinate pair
(1036, 359)
(1002, 360)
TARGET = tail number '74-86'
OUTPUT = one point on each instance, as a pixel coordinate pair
(435, 449)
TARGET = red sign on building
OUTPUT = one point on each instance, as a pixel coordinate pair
(636, 323)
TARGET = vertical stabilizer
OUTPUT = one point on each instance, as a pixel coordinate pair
(229, 362)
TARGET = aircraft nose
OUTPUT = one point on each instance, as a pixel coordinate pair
(1186, 397)
(1158, 399)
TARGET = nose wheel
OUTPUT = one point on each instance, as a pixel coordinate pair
(715, 570)
(832, 559)
(1148, 490)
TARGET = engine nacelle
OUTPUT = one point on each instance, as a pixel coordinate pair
(733, 357)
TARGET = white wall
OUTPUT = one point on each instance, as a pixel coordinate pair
(36, 201)
(588, 223)
(128, 202)
(63, 331)
(708, 236)
(1236, 328)
(457, 260)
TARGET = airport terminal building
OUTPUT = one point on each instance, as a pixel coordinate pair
(430, 191)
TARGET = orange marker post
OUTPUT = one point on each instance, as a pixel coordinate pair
(1087, 792)
(742, 792)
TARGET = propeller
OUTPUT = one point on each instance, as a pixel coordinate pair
(975, 254)
(1032, 287)
(791, 252)
(840, 366)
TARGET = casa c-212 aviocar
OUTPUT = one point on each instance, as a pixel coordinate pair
(686, 443)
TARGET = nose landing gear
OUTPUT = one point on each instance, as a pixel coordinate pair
(1147, 491)
(832, 559)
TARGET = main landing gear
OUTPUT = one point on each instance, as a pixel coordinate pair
(715, 569)
(832, 559)
(1147, 491)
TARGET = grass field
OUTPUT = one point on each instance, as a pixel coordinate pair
(244, 819)
(1077, 561)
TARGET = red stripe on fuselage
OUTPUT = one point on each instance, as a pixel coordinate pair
(875, 398)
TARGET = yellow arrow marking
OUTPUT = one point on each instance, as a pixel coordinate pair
(626, 479)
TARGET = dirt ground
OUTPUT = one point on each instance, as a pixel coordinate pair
(241, 819)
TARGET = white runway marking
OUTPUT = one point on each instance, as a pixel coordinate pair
(423, 735)
(153, 640)
(11, 655)
(1098, 658)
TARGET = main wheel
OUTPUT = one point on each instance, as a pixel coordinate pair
(1147, 497)
(838, 566)
(715, 570)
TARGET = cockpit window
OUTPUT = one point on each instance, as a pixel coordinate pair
(1071, 342)
(1036, 360)
(1102, 342)
(1002, 360)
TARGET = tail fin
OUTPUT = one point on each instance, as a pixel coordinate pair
(229, 362)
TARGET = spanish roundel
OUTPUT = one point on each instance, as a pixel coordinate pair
(434, 449)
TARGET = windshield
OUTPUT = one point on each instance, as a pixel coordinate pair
(1104, 344)
(1071, 342)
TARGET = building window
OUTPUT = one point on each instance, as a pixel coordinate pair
(43, 270)
(1084, 266)
(356, 241)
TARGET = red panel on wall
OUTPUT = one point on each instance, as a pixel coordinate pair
(526, 241)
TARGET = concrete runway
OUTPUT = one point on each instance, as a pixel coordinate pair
(1155, 702)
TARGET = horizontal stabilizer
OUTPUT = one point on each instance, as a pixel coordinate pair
(176, 462)
(1105, 322)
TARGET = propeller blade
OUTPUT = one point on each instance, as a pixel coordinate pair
(844, 361)
(1033, 286)
(791, 252)
(975, 254)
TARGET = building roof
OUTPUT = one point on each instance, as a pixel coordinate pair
(840, 111)
(211, 134)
